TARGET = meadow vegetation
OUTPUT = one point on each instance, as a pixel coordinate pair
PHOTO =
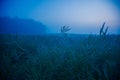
(53, 57)
(60, 56)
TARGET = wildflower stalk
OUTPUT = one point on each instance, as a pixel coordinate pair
(65, 29)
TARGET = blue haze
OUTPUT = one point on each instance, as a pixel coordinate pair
(83, 16)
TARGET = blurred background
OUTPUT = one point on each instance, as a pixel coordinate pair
(83, 16)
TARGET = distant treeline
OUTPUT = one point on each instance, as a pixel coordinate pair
(21, 26)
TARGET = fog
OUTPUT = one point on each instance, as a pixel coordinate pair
(83, 16)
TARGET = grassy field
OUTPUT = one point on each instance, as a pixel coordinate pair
(59, 57)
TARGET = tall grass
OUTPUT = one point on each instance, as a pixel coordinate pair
(51, 57)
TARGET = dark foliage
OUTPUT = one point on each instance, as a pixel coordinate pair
(21, 26)
(51, 57)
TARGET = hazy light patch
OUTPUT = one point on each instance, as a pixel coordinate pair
(80, 15)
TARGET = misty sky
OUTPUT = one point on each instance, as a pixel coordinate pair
(83, 16)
